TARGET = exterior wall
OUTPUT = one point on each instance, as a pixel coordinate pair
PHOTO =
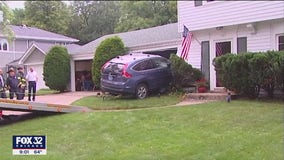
(225, 13)
(264, 38)
(35, 57)
(39, 69)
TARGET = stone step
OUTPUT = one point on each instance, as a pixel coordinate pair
(206, 96)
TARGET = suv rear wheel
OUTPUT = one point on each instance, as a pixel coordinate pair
(141, 91)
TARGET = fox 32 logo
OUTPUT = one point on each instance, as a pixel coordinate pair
(29, 145)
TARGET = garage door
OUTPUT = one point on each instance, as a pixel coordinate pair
(39, 71)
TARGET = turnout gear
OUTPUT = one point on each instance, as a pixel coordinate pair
(21, 84)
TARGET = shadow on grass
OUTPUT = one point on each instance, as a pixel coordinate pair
(12, 119)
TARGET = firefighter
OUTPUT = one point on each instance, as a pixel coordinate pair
(2, 91)
(22, 84)
(12, 83)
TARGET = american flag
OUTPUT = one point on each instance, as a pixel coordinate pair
(187, 37)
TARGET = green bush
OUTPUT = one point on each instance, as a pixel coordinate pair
(108, 49)
(247, 73)
(184, 75)
(56, 68)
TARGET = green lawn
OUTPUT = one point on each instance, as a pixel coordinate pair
(241, 130)
(46, 92)
(96, 102)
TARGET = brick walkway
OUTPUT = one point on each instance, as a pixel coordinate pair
(63, 98)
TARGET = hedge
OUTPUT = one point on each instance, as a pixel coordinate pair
(184, 75)
(247, 73)
(108, 49)
(56, 68)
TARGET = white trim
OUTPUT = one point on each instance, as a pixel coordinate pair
(43, 38)
(36, 63)
(29, 51)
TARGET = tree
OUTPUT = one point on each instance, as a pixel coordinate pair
(18, 16)
(93, 19)
(4, 26)
(53, 16)
(144, 14)
(56, 68)
(108, 49)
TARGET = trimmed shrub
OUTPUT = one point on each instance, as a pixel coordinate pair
(184, 75)
(247, 73)
(56, 68)
(108, 49)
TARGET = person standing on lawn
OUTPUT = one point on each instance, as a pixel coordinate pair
(32, 80)
(2, 91)
(22, 83)
(12, 83)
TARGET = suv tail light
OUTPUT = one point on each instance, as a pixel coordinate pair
(125, 73)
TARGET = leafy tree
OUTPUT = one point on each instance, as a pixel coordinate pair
(18, 16)
(108, 49)
(53, 16)
(93, 19)
(56, 68)
(144, 14)
(4, 26)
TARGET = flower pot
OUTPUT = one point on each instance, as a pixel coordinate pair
(202, 89)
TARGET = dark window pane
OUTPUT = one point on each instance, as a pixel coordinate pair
(210, 0)
(197, 3)
(281, 43)
(5, 46)
(0, 46)
(241, 44)
(223, 48)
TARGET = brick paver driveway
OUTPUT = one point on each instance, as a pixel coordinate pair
(62, 98)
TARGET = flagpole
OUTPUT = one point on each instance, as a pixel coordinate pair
(194, 37)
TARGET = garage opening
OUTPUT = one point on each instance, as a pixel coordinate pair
(83, 75)
(164, 53)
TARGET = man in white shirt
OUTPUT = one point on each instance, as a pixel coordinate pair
(32, 79)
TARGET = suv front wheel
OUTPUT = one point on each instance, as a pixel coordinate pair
(141, 91)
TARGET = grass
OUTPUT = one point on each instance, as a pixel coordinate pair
(241, 130)
(96, 102)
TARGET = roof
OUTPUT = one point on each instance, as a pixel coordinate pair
(25, 32)
(157, 34)
(43, 47)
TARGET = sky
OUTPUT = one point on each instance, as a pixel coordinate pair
(15, 4)
(20, 4)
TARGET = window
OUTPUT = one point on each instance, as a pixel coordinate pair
(241, 45)
(281, 43)
(160, 63)
(4, 46)
(144, 65)
(197, 3)
(223, 48)
(210, 0)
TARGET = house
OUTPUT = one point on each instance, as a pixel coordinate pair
(221, 27)
(28, 48)
(162, 40)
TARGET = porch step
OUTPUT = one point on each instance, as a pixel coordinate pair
(206, 96)
(219, 90)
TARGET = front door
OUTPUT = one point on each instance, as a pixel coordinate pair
(222, 48)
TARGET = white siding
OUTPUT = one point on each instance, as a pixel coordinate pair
(225, 13)
(262, 40)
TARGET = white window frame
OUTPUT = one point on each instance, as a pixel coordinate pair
(277, 41)
(2, 45)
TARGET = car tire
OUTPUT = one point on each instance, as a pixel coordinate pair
(141, 91)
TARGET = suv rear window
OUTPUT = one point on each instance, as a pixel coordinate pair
(113, 68)
(144, 65)
(160, 63)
